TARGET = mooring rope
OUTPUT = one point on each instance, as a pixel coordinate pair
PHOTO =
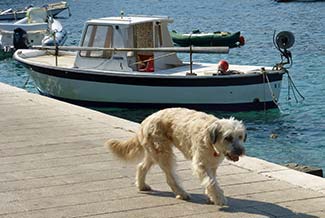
(275, 101)
(292, 85)
(26, 82)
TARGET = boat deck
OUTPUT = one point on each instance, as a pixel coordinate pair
(207, 69)
(53, 164)
(66, 60)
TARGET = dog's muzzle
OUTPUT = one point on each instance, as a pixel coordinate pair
(235, 153)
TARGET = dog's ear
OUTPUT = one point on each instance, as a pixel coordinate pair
(214, 131)
(245, 137)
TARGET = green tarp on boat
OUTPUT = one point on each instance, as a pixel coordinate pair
(197, 38)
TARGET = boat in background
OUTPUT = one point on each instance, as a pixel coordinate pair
(300, 0)
(52, 9)
(198, 38)
(132, 62)
(35, 29)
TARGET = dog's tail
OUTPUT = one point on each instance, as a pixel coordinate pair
(126, 150)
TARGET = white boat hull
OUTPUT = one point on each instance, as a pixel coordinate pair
(102, 94)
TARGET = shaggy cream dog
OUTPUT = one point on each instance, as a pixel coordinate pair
(202, 138)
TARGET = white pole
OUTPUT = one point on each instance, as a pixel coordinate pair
(194, 49)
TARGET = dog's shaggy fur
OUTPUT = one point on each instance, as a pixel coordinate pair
(202, 138)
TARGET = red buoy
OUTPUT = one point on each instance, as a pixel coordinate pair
(223, 66)
(241, 40)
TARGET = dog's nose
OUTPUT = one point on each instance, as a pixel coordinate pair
(239, 150)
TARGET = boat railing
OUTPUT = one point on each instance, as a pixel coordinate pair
(190, 50)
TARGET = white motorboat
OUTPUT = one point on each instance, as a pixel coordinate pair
(35, 29)
(52, 9)
(299, 0)
(131, 62)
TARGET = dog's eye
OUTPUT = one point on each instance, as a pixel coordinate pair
(241, 137)
(229, 138)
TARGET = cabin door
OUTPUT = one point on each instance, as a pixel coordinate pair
(143, 38)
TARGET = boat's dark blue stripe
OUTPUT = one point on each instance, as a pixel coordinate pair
(219, 107)
(131, 79)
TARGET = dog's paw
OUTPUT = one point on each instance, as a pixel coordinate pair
(183, 196)
(209, 201)
(144, 187)
(221, 201)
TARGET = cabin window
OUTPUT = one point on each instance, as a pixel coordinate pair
(98, 36)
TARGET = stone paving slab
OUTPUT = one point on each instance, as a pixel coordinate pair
(54, 164)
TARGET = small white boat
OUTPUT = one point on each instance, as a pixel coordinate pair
(35, 29)
(131, 62)
(299, 0)
(52, 9)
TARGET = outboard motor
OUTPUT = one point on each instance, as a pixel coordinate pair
(20, 39)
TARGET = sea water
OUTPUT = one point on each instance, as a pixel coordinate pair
(295, 132)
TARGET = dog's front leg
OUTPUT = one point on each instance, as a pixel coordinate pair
(213, 190)
(209, 181)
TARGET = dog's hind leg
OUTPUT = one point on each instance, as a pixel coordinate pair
(142, 171)
(167, 163)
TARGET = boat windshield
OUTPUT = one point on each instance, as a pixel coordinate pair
(99, 36)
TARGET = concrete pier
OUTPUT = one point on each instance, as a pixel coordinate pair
(53, 164)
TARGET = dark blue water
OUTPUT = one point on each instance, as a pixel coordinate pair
(300, 127)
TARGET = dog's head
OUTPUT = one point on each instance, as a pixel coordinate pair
(227, 136)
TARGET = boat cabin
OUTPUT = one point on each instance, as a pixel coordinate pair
(127, 32)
